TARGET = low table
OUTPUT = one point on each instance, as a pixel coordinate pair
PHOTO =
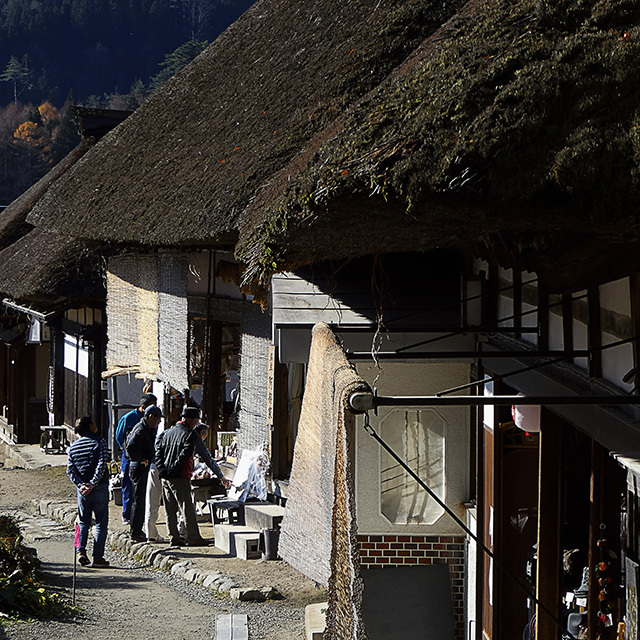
(229, 511)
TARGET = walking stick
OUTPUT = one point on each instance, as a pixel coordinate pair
(76, 545)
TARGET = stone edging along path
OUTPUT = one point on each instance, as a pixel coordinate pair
(153, 556)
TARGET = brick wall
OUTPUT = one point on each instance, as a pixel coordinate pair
(379, 551)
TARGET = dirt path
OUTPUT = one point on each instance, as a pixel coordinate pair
(131, 601)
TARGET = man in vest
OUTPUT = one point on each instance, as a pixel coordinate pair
(174, 460)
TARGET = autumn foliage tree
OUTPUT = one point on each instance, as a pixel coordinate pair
(32, 140)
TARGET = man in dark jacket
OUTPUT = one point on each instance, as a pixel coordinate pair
(174, 461)
(140, 448)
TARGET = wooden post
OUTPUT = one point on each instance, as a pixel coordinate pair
(567, 321)
(481, 586)
(634, 295)
(595, 334)
(549, 525)
(598, 458)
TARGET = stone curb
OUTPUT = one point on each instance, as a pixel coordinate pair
(143, 552)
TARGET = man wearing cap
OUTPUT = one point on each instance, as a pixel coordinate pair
(140, 448)
(124, 428)
(174, 459)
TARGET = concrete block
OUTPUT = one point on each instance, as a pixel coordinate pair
(315, 621)
(225, 536)
(247, 546)
(232, 627)
(263, 515)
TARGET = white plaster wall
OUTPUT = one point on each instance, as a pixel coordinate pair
(617, 362)
(199, 272)
(412, 378)
(614, 296)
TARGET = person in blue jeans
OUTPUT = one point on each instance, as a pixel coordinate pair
(87, 468)
(124, 428)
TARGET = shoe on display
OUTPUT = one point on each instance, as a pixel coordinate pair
(100, 562)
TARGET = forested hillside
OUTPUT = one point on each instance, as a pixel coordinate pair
(100, 46)
(98, 53)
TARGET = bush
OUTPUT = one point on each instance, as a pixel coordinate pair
(21, 592)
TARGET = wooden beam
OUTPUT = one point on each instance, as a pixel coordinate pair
(586, 263)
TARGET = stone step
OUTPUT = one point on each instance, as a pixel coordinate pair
(315, 620)
(232, 627)
(248, 546)
(263, 515)
(225, 535)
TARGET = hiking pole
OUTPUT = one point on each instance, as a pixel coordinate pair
(76, 545)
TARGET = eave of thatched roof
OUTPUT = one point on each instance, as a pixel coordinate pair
(43, 265)
(517, 121)
(186, 163)
(13, 223)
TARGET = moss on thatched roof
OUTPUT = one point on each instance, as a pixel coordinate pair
(44, 265)
(185, 164)
(516, 118)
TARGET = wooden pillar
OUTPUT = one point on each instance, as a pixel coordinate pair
(517, 302)
(634, 294)
(481, 586)
(598, 458)
(543, 318)
(549, 526)
(567, 322)
(595, 333)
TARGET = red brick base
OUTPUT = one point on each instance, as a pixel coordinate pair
(377, 552)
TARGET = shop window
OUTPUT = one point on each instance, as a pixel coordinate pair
(418, 437)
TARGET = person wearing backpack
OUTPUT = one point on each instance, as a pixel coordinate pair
(124, 428)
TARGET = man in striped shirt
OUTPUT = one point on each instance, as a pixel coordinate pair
(87, 468)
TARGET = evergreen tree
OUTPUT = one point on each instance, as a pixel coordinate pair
(177, 60)
(17, 72)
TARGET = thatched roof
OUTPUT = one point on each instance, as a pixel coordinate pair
(185, 164)
(516, 120)
(45, 265)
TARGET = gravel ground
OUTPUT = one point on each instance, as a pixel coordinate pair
(138, 603)
(133, 601)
